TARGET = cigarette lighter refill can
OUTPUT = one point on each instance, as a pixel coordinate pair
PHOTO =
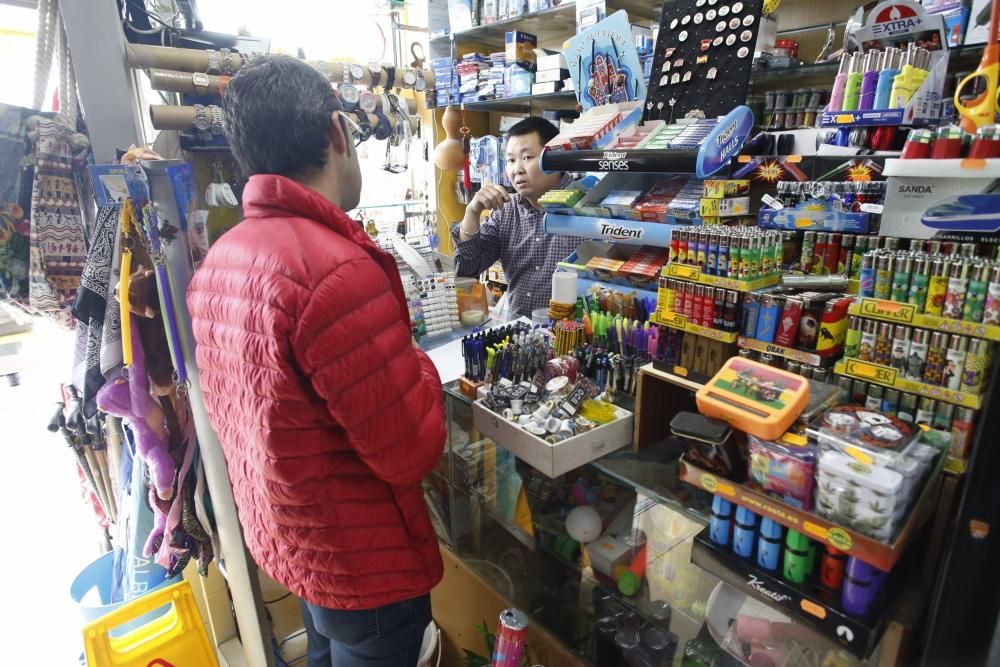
(919, 282)
(900, 347)
(852, 345)
(958, 283)
(937, 287)
(934, 366)
(917, 354)
(907, 408)
(883, 344)
(975, 296)
(902, 269)
(869, 337)
(977, 360)
(883, 277)
(867, 275)
(511, 638)
(955, 361)
(744, 532)
(808, 248)
(991, 312)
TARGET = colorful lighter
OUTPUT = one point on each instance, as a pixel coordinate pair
(744, 532)
(907, 81)
(751, 311)
(796, 557)
(767, 319)
(769, 545)
(852, 91)
(861, 585)
(890, 69)
(869, 79)
(839, 83)
(721, 522)
(831, 571)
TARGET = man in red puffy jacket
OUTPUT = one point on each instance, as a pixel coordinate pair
(328, 415)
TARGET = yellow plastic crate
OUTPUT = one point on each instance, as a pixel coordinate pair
(174, 639)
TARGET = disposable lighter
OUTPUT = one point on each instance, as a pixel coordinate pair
(744, 532)
(861, 585)
(840, 83)
(796, 557)
(769, 545)
(869, 79)
(852, 91)
(721, 522)
(890, 69)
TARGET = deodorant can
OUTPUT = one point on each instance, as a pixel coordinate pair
(955, 362)
(937, 287)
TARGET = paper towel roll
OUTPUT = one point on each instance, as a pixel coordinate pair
(564, 287)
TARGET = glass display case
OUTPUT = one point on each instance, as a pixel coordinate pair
(507, 522)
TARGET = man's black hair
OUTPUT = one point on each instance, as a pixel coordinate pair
(535, 125)
(277, 117)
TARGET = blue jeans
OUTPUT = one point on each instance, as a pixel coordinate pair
(388, 636)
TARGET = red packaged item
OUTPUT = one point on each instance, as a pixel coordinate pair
(986, 144)
(788, 325)
(918, 145)
(947, 143)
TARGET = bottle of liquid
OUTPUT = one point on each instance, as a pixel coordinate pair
(869, 79)
(840, 83)
(890, 69)
(852, 91)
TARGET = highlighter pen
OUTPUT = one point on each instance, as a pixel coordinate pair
(852, 91)
(890, 69)
(869, 80)
(839, 83)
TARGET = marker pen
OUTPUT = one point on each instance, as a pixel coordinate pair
(890, 69)
(869, 79)
(852, 91)
(840, 83)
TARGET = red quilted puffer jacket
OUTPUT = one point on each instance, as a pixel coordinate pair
(328, 416)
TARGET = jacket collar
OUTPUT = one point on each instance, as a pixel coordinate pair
(269, 195)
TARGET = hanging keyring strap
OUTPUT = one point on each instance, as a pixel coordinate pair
(151, 222)
(128, 224)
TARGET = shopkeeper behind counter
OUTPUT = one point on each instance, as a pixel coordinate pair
(514, 232)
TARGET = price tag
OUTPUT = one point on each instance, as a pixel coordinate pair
(772, 202)
(872, 208)
(684, 271)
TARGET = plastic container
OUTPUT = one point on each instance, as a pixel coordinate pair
(784, 470)
(869, 436)
(868, 499)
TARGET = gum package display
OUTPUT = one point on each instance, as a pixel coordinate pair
(702, 66)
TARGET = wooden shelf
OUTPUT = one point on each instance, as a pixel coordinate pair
(878, 554)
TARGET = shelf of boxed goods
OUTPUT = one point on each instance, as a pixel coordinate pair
(877, 554)
(892, 378)
(906, 313)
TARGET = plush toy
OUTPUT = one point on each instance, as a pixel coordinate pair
(130, 399)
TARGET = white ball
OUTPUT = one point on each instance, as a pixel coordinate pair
(583, 524)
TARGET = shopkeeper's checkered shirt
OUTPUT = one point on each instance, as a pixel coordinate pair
(516, 236)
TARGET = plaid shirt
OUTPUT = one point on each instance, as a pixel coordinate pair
(515, 234)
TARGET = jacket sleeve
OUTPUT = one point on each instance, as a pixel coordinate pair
(357, 352)
(477, 254)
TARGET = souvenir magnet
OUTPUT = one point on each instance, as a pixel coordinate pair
(737, 7)
(669, 52)
(664, 80)
(723, 11)
(720, 26)
(682, 37)
(698, 18)
(686, 19)
(710, 15)
(734, 23)
(730, 39)
(678, 63)
(705, 44)
(687, 76)
(673, 24)
(702, 60)
(748, 20)
(743, 52)
(746, 36)
(666, 66)
(712, 72)
(676, 78)
(717, 41)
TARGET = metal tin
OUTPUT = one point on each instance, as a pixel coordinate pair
(821, 374)
(793, 366)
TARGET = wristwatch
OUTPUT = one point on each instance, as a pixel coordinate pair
(384, 128)
(201, 120)
(368, 101)
(213, 62)
(200, 82)
(358, 72)
(216, 119)
(391, 81)
(421, 84)
(227, 62)
(348, 93)
(409, 78)
(364, 124)
(376, 71)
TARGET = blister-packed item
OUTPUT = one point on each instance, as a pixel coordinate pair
(868, 499)
(870, 436)
(785, 468)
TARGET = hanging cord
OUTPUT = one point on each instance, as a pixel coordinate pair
(44, 47)
(51, 44)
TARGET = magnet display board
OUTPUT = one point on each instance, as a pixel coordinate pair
(703, 57)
